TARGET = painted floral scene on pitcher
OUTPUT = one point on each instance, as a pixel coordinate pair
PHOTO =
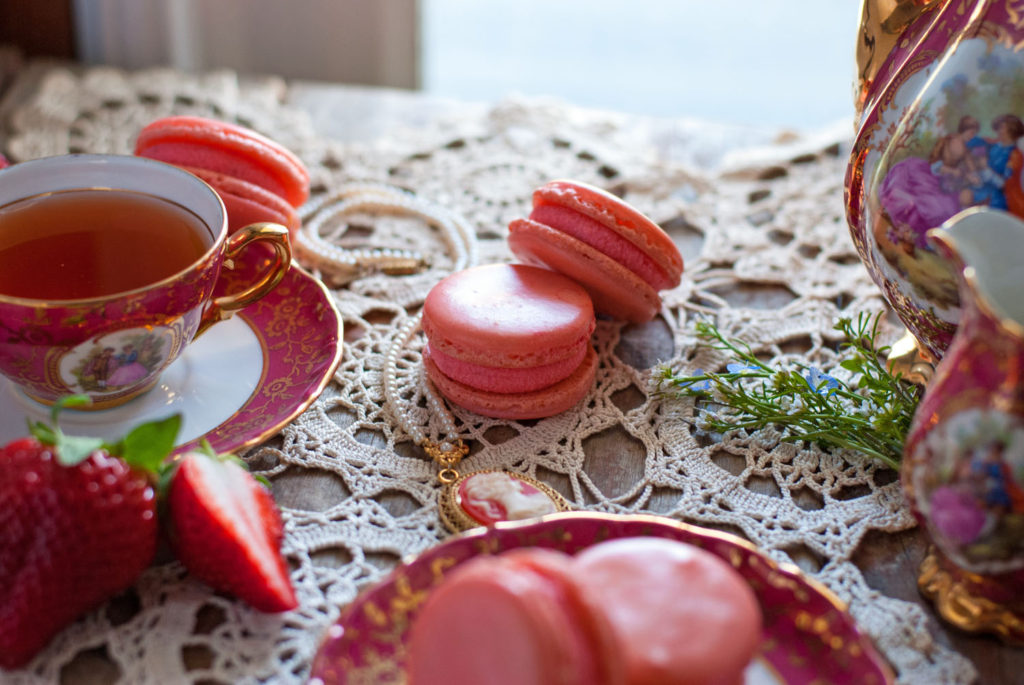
(941, 132)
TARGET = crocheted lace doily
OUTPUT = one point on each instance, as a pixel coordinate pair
(767, 253)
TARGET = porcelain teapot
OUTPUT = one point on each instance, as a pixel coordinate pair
(963, 465)
(941, 119)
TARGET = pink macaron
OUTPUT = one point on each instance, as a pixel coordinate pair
(679, 614)
(630, 611)
(620, 256)
(259, 179)
(510, 341)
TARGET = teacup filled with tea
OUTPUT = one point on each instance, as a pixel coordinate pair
(108, 270)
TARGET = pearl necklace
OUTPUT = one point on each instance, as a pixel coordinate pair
(464, 496)
(340, 266)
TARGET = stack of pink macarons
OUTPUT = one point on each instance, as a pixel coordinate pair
(257, 178)
(512, 341)
(632, 611)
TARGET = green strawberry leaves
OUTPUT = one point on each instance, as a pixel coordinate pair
(148, 444)
(71, 449)
(145, 447)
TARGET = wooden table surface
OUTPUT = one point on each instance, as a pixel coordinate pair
(889, 561)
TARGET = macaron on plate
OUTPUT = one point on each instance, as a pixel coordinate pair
(237, 385)
(809, 637)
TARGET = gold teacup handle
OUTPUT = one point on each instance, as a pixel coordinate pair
(222, 308)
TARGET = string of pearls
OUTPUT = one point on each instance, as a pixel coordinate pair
(460, 239)
(339, 265)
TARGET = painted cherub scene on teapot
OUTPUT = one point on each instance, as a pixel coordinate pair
(941, 127)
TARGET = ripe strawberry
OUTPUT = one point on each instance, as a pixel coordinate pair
(77, 526)
(226, 530)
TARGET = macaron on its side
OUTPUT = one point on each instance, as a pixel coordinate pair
(619, 217)
(680, 614)
(228, 149)
(494, 621)
(604, 240)
(614, 289)
(538, 404)
(247, 203)
(622, 257)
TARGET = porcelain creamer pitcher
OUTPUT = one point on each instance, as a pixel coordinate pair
(941, 105)
(963, 468)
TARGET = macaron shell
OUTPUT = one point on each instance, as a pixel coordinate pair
(508, 315)
(542, 403)
(494, 621)
(617, 215)
(508, 380)
(614, 289)
(708, 624)
(228, 149)
(247, 203)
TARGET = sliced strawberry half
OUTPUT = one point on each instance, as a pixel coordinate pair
(226, 529)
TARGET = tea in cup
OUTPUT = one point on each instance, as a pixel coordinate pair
(108, 269)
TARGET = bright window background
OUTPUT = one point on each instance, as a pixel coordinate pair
(752, 62)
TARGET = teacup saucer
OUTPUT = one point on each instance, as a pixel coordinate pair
(235, 386)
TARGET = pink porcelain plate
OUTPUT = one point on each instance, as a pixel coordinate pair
(809, 636)
(236, 385)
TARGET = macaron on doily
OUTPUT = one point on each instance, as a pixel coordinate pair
(637, 610)
(621, 257)
(510, 341)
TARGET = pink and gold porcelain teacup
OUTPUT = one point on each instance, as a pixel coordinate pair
(108, 269)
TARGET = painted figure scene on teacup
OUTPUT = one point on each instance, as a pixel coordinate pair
(969, 476)
(946, 143)
(115, 362)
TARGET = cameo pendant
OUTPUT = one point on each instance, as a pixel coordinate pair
(483, 498)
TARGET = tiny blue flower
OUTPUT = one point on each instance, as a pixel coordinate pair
(821, 383)
(696, 386)
(740, 368)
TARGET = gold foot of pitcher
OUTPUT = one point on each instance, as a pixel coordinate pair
(908, 360)
(964, 599)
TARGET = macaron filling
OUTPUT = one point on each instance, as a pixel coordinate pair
(603, 239)
(507, 379)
